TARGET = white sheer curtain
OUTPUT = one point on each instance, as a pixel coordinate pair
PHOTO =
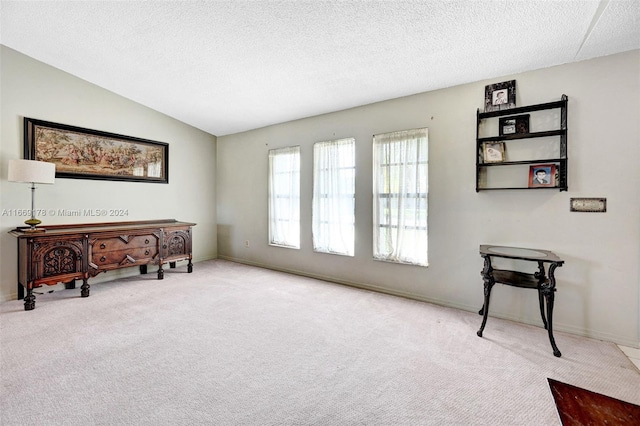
(284, 197)
(400, 188)
(333, 215)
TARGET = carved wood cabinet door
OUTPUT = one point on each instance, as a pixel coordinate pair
(56, 260)
(177, 243)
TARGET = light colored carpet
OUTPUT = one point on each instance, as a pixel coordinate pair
(232, 344)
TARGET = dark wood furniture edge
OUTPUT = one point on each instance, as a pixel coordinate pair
(542, 281)
(527, 108)
(577, 407)
(551, 256)
(41, 254)
(22, 230)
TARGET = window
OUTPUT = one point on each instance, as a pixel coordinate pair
(400, 188)
(284, 197)
(333, 222)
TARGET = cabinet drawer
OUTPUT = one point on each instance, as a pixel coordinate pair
(124, 257)
(119, 251)
(123, 242)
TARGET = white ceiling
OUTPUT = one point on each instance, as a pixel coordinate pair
(231, 66)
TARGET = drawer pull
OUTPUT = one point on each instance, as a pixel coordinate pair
(146, 241)
(146, 252)
(103, 245)
(102, 259)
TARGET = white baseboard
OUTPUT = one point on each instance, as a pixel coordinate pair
(579, 331)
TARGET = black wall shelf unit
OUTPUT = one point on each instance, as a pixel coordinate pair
(555, 138)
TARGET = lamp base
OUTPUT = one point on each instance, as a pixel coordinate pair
(32, 230)
(33, 222)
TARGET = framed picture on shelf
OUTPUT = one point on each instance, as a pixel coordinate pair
(518, 124)
(499, 96)
(493, 152)
(81, 153)
(542, 176)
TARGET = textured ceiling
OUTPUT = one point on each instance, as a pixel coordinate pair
(231, 66)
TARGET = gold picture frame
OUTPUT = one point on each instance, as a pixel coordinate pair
(493, 152)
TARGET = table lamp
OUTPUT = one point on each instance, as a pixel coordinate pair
(32, 172)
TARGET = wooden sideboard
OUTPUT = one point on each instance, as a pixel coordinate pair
(64, 253)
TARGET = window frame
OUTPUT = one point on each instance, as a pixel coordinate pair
(418, 197)
(323, 243)
(279, 237)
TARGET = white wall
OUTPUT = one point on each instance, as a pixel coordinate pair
(32, 89)
(597, 287)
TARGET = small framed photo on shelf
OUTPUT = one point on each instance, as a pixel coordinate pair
(493, 152)
(499, 96)
(518, 124)
(542, 176)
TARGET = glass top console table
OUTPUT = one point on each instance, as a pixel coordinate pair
(542, 281)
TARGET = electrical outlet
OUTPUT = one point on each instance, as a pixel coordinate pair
(246, 243)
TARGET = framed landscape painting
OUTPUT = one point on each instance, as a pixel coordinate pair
(91, 154)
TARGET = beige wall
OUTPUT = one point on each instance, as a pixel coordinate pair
(32, 89)
(597, 287)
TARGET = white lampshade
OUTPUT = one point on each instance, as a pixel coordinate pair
(31, 171)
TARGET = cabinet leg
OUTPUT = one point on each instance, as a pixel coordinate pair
(143, 269)
(489, 281)
(84, 289)
(485, 307)
(541, 300)
(160, 273)
(189, 267)
(542, 280)
(29, 301)
(70, 285)
(172, 265)
(550, 296)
